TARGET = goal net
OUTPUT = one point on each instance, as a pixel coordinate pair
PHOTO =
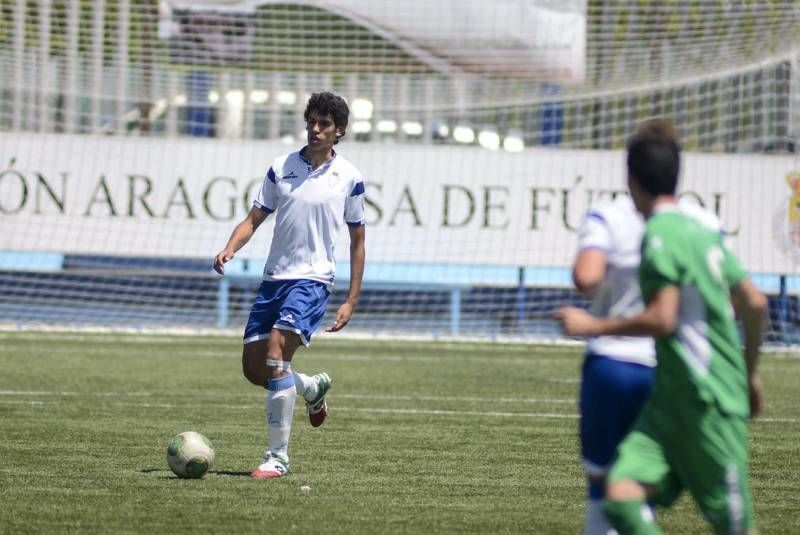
(134, 135)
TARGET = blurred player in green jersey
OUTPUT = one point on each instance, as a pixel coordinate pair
(692, 432)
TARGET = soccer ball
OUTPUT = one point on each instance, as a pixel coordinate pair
(190, 455)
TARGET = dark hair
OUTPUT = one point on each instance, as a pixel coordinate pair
(326, 103)
(654, 157)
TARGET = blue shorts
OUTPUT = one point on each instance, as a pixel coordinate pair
(612, 394)
(292, 305)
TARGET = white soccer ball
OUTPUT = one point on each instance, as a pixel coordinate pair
(190, 455)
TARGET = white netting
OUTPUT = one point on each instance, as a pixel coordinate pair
(513, 69)
(504, 77)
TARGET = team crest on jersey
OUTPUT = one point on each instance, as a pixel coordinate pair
(333, 178)
(786, 220)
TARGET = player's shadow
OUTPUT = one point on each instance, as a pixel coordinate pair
(229, 473)
(215, 472)
(153, 470)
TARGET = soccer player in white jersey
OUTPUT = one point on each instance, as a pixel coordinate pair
(314, 192)
(617, 370)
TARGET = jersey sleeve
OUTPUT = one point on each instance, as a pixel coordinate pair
(267, 199)
(732, 269)
(659, 267)
(595, 232)
(354, 205)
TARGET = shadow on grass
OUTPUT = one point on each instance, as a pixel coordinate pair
(214, 472)
(229, 473)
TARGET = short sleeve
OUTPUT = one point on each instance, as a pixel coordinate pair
(659, 267)
(732, 269)
(267, 199)
(594, 233)
(354, 205)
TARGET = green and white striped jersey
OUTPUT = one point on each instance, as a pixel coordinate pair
(702, 358)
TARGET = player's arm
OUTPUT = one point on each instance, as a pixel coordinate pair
(658, 319)
(239, 237)
(752, 307)
(589, 270)
(357, 261)
(594, 240)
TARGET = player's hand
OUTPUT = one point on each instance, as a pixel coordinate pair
(575, 321)
(756, 395)
(220, 259)
(343, 316)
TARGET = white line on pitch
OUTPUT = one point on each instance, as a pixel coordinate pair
(349, 409)
(434, 412)
(510, 414)
(65, 393)
(460, 413)
(569, 401)
(455, 398)
(569, 381)
(429, 358)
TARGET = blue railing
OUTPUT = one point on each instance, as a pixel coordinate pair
(49, 287)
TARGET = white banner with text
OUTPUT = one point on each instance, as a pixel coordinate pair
(425, 204)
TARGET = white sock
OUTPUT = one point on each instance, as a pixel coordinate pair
(305, 385)
(596, 521)
(280, 408)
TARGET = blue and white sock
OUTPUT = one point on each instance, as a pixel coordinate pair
(280, 408)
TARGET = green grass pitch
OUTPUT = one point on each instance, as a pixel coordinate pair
(421, 438)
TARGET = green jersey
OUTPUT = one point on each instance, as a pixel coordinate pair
(702, 358)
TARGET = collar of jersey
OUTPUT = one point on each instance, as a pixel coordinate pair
(308, 162)
(666, 208)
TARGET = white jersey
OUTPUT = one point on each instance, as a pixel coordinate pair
(616, 228)
(311, 207)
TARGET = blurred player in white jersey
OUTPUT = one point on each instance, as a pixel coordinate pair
(314, 192)
(618, 370)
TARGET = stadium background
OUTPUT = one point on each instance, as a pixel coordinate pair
(513, 78)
